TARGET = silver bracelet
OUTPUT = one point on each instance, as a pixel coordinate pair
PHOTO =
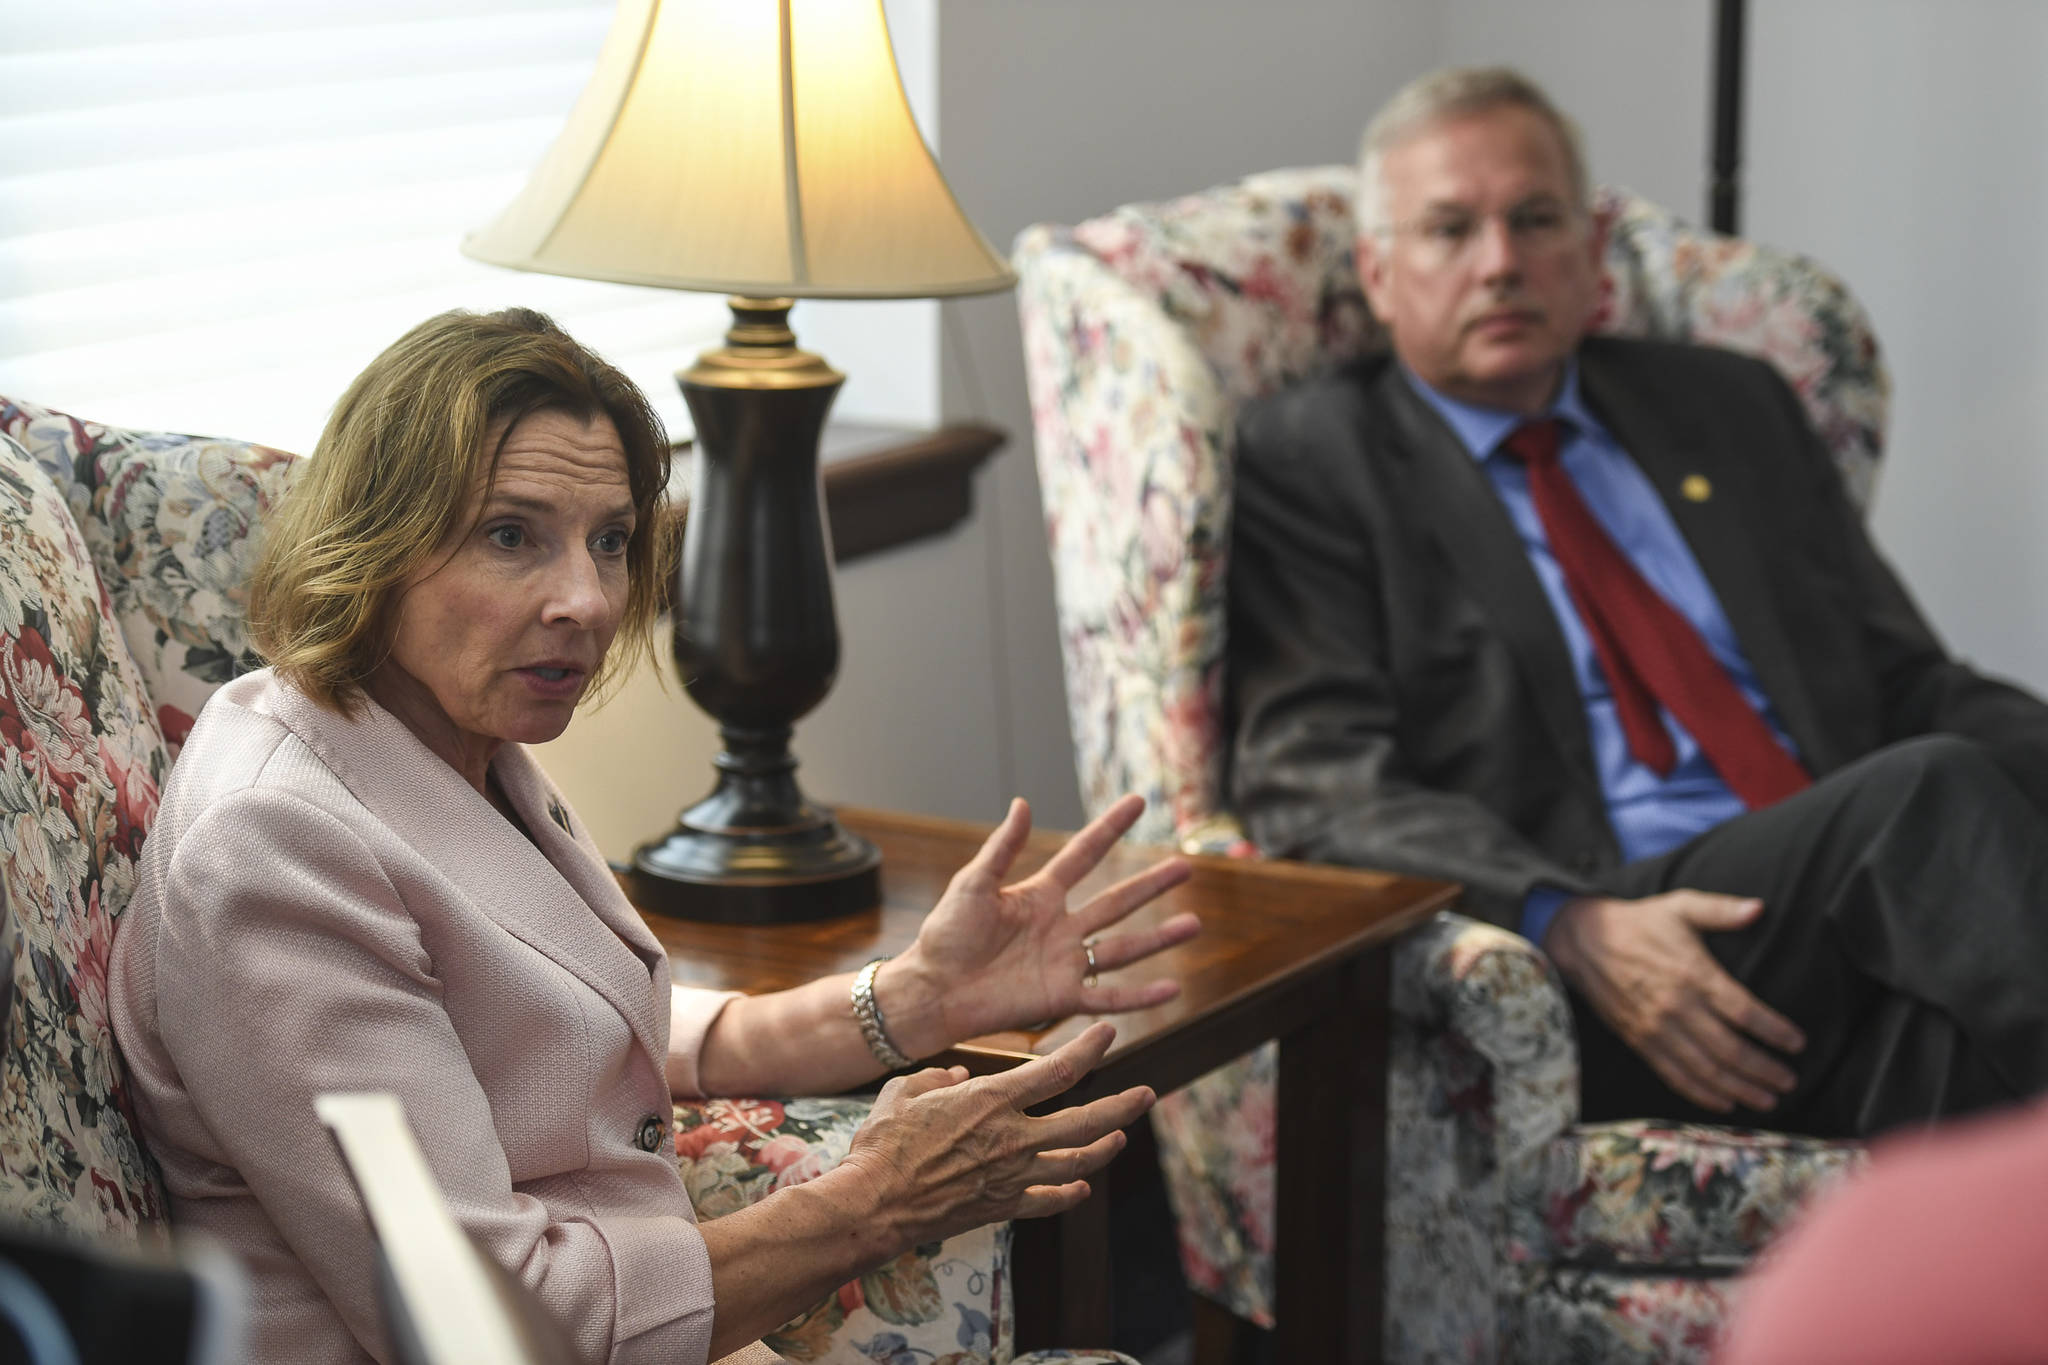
(869, 1016)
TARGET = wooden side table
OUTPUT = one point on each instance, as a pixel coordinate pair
(1288, 951)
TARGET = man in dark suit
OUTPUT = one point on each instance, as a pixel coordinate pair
(1589, 625)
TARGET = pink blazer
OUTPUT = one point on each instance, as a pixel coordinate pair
(324, 904)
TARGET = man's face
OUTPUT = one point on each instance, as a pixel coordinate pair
(1490, 269)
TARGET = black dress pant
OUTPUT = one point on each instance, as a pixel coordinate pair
(1904, 929)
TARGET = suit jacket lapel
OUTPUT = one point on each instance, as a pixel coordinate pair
(569, 849)
(562, 902)
(1720, 538)
(1457, 502)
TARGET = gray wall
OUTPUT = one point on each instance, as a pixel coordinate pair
(1635, 74)
(1901, 142)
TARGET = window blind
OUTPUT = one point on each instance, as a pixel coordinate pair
(212, 215)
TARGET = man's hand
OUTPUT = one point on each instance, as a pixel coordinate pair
(1642, 966)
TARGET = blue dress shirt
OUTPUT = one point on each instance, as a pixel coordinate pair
(1650, 814)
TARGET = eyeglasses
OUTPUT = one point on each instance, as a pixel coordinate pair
(1535, 226)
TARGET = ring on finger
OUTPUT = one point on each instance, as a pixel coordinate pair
(1088, 951)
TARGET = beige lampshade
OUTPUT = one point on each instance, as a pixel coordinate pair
(746, 147)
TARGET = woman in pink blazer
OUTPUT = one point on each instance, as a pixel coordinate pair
(359, 879)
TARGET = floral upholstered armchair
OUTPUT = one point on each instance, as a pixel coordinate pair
(1514, 1232)
(122, 560)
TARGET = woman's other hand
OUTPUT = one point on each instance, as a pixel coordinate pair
(941, 1153)
(992, 957)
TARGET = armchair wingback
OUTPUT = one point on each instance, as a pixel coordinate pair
(1513, 1233)
(123, 559)
(119, 611)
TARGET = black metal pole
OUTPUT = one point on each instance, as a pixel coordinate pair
(1724, 192)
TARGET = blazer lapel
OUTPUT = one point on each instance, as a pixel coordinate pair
(1713, 525)
(1464, 515)
(572, 854)
(562, 902)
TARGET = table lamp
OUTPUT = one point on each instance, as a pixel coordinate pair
(762, 149)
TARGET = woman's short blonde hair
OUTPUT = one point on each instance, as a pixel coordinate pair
(402, 461)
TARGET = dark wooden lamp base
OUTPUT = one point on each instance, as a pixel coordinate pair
(756, 641)
(661, 883)
(755, 851)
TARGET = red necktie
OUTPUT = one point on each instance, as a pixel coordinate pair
(1649, 651)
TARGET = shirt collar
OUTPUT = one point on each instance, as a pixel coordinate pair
(1481, 430)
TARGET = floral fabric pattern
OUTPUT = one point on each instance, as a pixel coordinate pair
(946, 1303)
(80, 765)
(1216, 1154)
(1668, 279)
(1640, 1194)
(1144, 332)
(1482, 1072)
(949, 1301)
(1570, 1317)
(171, 522)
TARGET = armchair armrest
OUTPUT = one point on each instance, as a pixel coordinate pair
(949, 1302)
(1482, 995)
(1483, 1074)
(1647, 1197)
(945, 1299)
(1478, 994)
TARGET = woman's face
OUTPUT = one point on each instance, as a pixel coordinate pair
(498, 636)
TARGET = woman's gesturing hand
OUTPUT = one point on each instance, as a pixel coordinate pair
(938, 1155)
(942, 1153)
(993, 957)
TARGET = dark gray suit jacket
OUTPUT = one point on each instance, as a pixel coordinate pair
(1401, 693)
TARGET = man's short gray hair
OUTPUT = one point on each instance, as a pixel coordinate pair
(1447, 94)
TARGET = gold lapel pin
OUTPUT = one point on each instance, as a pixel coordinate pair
(1695, 488)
